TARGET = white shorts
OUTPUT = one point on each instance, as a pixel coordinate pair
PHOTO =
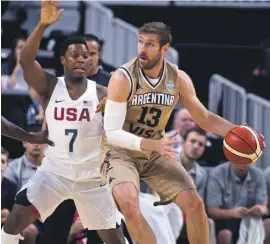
(94, 203)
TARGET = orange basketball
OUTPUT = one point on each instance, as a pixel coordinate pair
(243, 145)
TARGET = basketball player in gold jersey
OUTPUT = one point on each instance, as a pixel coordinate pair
(141, 96)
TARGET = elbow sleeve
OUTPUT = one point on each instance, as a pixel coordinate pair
(114, 119)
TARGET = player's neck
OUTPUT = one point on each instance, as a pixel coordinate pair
(75, 84)
(33, 160)
(154, 72)
(186, 162)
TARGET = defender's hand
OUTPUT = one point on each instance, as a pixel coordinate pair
(48, 13)
(41, 138)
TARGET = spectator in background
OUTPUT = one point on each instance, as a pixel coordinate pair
(35, 113)
(233, 193)
(267, 219)
(193, 146)
(94, 72)
(182, 122)
(12, 67)
(21, 169)
(8, 189)
(107, 67)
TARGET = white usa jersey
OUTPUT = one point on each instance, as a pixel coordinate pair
(75, 129)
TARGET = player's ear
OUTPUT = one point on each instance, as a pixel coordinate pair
(165, 47)
(63, 60)
(99, 54)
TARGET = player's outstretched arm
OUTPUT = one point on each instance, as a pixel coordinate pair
(115, 115)
(13, 131)
(204, 118)
(34, 75)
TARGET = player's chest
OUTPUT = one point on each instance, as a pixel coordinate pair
(72, 111)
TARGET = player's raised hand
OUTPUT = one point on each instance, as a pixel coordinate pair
(48, 13)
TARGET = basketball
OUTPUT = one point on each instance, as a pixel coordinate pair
(243, 145)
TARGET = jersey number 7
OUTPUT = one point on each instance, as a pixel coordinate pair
(74, 133)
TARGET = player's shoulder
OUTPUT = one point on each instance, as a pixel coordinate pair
(182, 75)
(171, 65)
(121, 76)
(101, 91)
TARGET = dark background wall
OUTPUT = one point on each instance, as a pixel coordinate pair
(211, 40)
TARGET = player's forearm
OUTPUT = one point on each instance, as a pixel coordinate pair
(218, 213)
(11, 130)
(124, 139)
(30, 50)
(216, 125)
(114, 118)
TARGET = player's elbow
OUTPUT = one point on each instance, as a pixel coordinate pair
(23, 60)
(111, 136)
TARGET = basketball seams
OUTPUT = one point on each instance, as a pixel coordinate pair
(240, 154)
(240, 137)
(256, 152)
(258, 149)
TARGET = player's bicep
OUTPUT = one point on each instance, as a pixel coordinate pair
(119, 87)
(189, 99)
(38, 79)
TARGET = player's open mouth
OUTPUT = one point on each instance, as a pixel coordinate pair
(79, 69)
(143, 58)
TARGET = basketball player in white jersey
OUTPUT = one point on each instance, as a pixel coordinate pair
(70, 169)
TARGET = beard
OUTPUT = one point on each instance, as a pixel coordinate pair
(150, 64)
(77, 79)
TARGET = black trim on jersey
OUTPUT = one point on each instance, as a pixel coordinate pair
(131, 82)
(160, 77)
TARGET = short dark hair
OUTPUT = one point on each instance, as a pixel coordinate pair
(69, 41)
(33, 128)
(92, 37)
(4, 151)
(195, 129)
(159, 28)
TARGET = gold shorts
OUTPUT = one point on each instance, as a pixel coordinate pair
(120, 165)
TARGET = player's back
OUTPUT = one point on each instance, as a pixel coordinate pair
(73, 126)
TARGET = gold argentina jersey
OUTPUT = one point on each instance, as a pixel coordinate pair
(150, 106)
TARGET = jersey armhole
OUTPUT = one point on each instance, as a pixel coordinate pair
(127, 74)
(52, 95)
